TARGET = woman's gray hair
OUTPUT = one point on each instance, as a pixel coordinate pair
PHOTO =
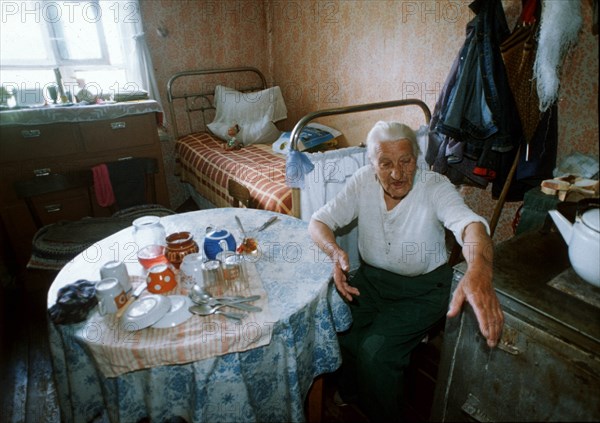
(390, 131)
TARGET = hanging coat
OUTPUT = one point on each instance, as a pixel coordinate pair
(477, 107)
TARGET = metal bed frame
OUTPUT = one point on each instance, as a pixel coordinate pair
(202, 101)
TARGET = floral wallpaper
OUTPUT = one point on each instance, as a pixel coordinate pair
(327, 54)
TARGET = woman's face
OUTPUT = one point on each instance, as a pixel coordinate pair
(395, 166)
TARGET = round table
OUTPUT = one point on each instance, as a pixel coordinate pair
(266, 383)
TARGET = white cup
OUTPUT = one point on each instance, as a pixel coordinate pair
(116, 269)
(111, 296)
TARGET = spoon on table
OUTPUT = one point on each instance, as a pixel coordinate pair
(206, 309)
(239, 222)
(199, 296)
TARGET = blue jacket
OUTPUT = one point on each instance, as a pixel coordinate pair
(478, 106)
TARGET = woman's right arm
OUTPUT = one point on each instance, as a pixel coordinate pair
(324, 237)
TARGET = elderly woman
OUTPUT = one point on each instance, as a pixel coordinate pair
(402, 287)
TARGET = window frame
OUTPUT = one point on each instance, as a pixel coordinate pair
(51, 31)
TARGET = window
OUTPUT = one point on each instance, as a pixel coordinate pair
(93, 43)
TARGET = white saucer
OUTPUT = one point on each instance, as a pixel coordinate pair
(178, 313)
(145, 312)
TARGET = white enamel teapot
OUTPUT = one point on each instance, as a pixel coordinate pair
(583, 239)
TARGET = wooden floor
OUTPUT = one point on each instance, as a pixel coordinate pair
(28, 393)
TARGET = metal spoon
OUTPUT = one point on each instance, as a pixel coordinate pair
(239, 222)
(205, 310)
(199, 296)
(239, 304)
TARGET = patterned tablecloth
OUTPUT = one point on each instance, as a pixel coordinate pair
(264, 383)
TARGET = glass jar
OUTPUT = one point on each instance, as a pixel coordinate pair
(147, 230)
(179, 245)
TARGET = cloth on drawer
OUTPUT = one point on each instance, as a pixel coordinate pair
(254, 113)
(102, 186)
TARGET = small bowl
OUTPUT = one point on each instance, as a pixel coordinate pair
(145, 311)
(177, 314)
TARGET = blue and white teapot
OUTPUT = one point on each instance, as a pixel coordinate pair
(218, 240)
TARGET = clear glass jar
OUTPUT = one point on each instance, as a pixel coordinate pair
(147, 230)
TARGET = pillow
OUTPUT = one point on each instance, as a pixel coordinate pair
(312, 135)
(253, 112)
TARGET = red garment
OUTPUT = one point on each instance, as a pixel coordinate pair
(104, 192)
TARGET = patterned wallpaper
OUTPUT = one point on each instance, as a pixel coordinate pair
(333, 53)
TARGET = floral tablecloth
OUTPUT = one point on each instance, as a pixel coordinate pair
(266, 383)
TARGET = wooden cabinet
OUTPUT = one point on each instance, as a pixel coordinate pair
(547, 365)
(28, 150)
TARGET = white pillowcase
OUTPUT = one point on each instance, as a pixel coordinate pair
(253, 112)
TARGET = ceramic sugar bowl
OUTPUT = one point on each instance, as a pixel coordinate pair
(179, 245)
(216, 241)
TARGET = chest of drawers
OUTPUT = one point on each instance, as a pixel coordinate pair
(30, 149)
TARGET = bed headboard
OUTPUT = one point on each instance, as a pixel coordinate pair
(185, 95)
(354, 109)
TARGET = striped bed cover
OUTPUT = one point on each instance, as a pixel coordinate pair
(202, 162)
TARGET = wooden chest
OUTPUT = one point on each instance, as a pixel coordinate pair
(547, 366)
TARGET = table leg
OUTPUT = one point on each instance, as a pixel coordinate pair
(314, 401)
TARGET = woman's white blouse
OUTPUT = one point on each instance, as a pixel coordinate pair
(409, 239)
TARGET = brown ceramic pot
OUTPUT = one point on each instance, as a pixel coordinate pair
(179, 245)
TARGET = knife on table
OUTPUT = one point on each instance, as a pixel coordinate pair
(267, 223)
(134, 296)
(238, 305)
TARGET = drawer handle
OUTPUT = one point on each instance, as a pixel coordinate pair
(31, 133)
(508, 341)
(509, 348)
(53, 208)
(473, 408)
(45, 171)
(118, 125)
